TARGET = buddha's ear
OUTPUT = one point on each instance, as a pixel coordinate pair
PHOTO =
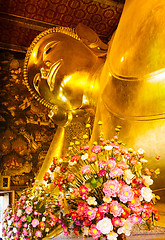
(91, 39)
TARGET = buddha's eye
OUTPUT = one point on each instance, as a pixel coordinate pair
(36, 82)
(48, 48)
(47, 51)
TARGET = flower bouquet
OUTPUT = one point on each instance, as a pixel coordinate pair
(33, 216)
(103, 189)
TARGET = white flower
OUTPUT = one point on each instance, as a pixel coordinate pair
(43, 219)
(9, 222)
(60, 160)
(47, 230)
(19, 212)
(72, 163)
(104, 225)
(15, 230)
(128, 176)
(85, 156)
(126, 229)
(148, 180)
(107, 199)
(91, 201)
(4, 225)
(86, 231)
(146, 194)
(142, 160)
(57, 169)
(108, 148)
(112, 236)
(140, 151)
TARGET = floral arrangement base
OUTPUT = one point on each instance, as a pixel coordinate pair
(121, 237)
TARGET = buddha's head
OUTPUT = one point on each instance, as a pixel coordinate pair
(58, 69)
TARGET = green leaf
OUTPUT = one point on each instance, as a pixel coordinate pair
(99, 184)
(94, 182)
(125, 207)
(88, 185)
(100, 179)
(29, 219)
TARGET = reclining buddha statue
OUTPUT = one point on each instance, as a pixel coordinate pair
(72, 72)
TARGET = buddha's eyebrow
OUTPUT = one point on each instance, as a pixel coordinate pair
(48, 47)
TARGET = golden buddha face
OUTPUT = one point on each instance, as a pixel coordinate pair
(57, 69)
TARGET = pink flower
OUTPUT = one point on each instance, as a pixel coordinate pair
(116, 221)
(111, 188)
(9, 233)
(135, 202)
(38, 234)
(145, 215)
(70, 177)
(14, 224)
(81, 209)
(86, 147)
(74, 159)
(84, 197)
(102, 164)
(24, 231)
(111, 163)
(101, 173)
(116, 209)
(99, 215)
(23, 218)
(96, 149)
(136, 209)
(104, 207)
(25, 225)
(65, 230)
(35, 222)
(36, 213)
(83, 190)
(86, 169)
(75, 192)
(122, 165)
(135, 219)
(91, 213)
(19, 224)
(16, 218)
(92, 158)
(94, 232)
(116, 172)
(28, 210)
(125, 194)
